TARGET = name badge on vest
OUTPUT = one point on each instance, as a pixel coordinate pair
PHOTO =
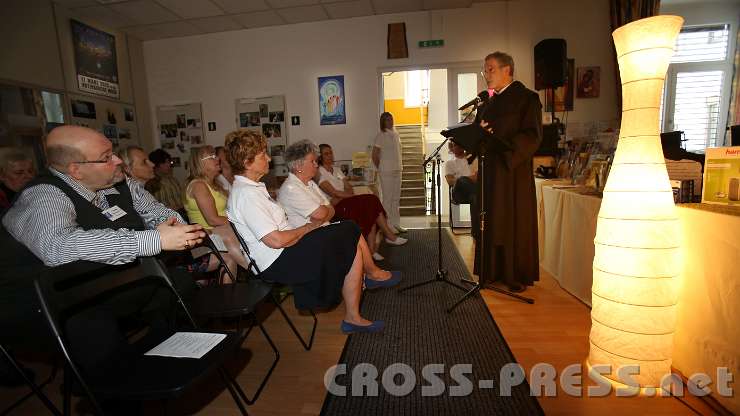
(113, 213)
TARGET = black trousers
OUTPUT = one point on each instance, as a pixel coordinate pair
(465, 191)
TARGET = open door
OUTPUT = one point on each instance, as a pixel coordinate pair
(463, 84)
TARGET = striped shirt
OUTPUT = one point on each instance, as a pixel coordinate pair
(43, 219)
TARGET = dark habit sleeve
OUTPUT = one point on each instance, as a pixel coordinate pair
(527, 140)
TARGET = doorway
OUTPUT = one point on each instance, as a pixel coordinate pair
(424, 101)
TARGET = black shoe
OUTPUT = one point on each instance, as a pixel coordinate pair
(516, 287)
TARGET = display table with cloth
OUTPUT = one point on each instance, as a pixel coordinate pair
(708, 313)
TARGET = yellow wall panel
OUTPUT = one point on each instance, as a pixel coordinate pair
(403, 115)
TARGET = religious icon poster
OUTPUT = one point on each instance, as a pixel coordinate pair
(331, 100)
(588, 78)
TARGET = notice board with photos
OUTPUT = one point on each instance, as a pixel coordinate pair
(180, 128)
(116, 120)
(267, 116)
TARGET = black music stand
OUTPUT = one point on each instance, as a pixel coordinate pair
(473, 139)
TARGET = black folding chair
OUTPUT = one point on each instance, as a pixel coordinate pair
(36, 390)
(452, 220)
(222, 268)
(124, 372)
(255, 271)
(237, 300)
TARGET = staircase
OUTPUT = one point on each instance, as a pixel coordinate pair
(413, 193)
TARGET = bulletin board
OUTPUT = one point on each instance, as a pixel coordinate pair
(267, 116)
(116, 120)
(180, 128)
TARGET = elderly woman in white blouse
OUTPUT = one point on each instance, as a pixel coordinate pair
(304, 201)
(366, 210)
(323, 264)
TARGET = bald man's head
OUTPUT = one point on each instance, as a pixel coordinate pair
(84, 154)
(67, 144)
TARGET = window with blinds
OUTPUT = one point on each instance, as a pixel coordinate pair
(702, 44)
(697, 79)
(696, 109)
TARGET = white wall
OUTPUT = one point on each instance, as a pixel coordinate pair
(215, 69)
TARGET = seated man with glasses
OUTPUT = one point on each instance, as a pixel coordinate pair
(83, 210)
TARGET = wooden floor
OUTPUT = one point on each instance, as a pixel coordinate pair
(554, 330)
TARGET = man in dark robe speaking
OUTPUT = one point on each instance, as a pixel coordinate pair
(511, 123)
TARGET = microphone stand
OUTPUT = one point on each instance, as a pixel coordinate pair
(441, 275)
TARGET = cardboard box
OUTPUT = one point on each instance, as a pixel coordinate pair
(722, 176)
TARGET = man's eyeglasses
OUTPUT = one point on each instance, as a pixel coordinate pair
(211, 156)
(106, 159)
(491, 70)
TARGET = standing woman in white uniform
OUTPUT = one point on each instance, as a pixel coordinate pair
(387, 159)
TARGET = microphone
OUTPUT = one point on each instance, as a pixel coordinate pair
(480, 99)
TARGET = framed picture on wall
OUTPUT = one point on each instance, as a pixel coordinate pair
(83, 109)
(589, 79)
(331, 100)
(397, 46)
(95, 60)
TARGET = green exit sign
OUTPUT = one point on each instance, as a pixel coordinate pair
(434, 43)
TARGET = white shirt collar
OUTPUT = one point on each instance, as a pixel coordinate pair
(248, 181)
(503, 89)
(295, 179)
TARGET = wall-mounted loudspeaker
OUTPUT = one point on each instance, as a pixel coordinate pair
(550, 63)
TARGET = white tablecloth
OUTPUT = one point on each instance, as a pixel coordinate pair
(567, 230)
(708, 317)
(708, 314)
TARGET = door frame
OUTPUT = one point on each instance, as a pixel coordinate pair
(449, 66)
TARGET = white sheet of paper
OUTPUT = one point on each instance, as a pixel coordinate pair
(187, 345)
(218, 242)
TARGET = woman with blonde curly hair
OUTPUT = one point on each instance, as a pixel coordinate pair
(205, 203)
(323, 264)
